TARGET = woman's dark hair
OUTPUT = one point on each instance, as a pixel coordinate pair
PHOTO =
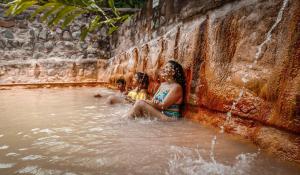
(179, 78)
(121, 81)
(143, 79)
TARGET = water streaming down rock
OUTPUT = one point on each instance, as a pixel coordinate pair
(257, 55)
(244, 78)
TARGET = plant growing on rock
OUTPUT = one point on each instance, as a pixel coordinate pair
(64, 12)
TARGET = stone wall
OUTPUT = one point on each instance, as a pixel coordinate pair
(31, 52)
(239, 56)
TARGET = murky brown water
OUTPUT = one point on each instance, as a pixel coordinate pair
(68, 132)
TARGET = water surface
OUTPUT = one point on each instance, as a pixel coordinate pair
(68, 132)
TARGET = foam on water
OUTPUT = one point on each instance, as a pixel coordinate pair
(35, 129)
(26, 136)
(69, 173)
(64, 129)
(48, 131)
(188, 161)
(38, 171)
(23, 149)
(6, 165)
(32, 157)
(12, 154)
(89, 107)
(4, 147)
(28, 169)
(146, 120)
(98, 129)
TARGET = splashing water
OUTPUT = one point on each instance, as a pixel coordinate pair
(191, 162)
(213, 143)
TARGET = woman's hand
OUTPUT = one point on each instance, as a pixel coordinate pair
(129, 99)
(156, 102)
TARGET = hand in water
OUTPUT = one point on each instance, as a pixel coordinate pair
(97, 95)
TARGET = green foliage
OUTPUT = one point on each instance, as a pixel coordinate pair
(5, 1)
(64, 12)
(129, 3)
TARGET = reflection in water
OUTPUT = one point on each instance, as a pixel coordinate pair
(68, 132)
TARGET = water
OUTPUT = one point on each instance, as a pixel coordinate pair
(67, 132)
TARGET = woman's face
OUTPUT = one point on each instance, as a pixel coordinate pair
(167, 71)
(135, 80)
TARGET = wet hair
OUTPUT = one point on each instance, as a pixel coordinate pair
(121, 81)
(179, 78)
(143, 79)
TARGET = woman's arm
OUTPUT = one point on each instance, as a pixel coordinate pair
(173, 96)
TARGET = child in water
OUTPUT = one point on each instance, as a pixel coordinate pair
(141, 80)
(121, 85)
(140, 92)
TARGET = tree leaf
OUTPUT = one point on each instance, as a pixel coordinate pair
(9, 10)
(41, 9)
(71, 17)
(84, 32)
(63, 12)
(112, 29)
(94, 24)
(51, 11)
(111, 4)
(22, 7)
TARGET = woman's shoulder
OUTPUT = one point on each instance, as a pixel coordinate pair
(176, 86)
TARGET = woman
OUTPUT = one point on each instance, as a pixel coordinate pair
(167, 102)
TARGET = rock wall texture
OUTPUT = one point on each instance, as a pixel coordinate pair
(31, 52)
(241, 57)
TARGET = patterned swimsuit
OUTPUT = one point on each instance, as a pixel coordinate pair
(171, 111)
